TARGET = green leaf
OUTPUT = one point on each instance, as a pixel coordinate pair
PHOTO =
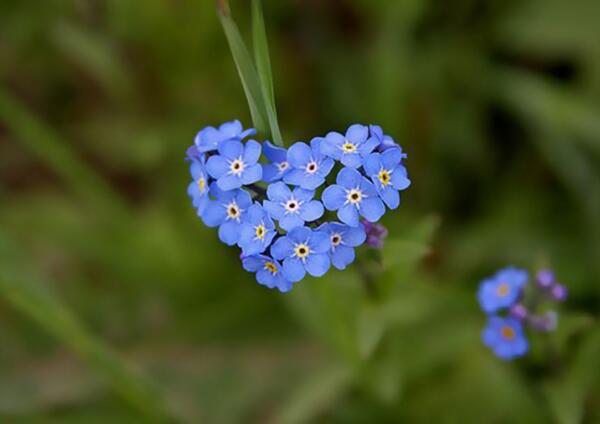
(263, 65)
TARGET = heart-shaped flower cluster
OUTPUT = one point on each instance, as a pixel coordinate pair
(274, 209)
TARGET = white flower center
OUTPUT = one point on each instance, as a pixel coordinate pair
(292, 205)
(354, 196)
(233, 211)
(312, 167)
(282, 166)
(236, 167)
(336, 239)
(301, 251)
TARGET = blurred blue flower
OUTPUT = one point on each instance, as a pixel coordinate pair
(236, 164)
(505, 337)
(388, 175)
(352, 196)
(351, 148)
(292, 208)
(257, 231)
(501, 290)
(303, 250)
(309, 166)
(278, 166)
(209, 138)
(343, 240)
(226, 212)
(198, 188)
(268, 272)
(384, 140)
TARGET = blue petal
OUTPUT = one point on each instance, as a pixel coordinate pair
(217, 166)
(229, 182)
(399, 180)
(391, 158)
(254, 263)
(255, 214)
(299, 154)
(247, 133)
(207, 139)
(293, 269)
(315, 147)
(372, 164)
(353, 160)
(390, 197)
(330, 148)
(270, 173)
(334, 197)
(243, 199)
(367, 188)
(325, 167)
(229, 232)
(311, 181)
(266, 278)
(368, 146)
(300, 234)
(357, 133)
(354, 236)
(290, 221)
(349, 178)
(372, 209)
(275, 210)
(196, 169)
(214, 214)
(317, 264)
(231, 129)
(252, 174)
(282, 248)
(278, 192)
(349, 215)
(342, 256)
(231, 149)
(303, 195)
(311, 211)
(251, 152)
(320, 242)
(294, 177)
(282, 284)
(274, 153)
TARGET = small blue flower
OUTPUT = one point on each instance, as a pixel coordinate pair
(268, 272)
(226, 212)
(343, 240)
(236, 164)
(257, 231)
(351, 148)
(198, 188)
(303, 250)
(309, 166)
(279, 165)
(353, 195)
(502, 290)
(385, 141)
(292, 208)
(388, 175)
(505, 337)
(209, 138)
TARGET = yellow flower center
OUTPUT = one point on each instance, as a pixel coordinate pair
(354, 196)
(336, 239)
(237, 167)
(348, 147)
(507, 332)
(260, 232)
(503, 290)
(301, 250)
(384, 177)
(202, 184)
(271, 267)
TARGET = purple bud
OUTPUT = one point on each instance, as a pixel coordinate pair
(545, 278)
(192, 153)
(376, 233)
(546, 323)
(518, 311)
(559, 292)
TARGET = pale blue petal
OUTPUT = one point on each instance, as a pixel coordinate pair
(229, 233)
(312, 210)
(274, 209)
(391, 158)
(326, 166)
(274, 153)
(303, 195)
(300, 234)
(299, 154)
(348, 215)
(311, 181)
(342, 256)
(334, 197)
(255, 214)
(266, 278)
(214, 214)
(231, 149)
(349, 178)
(290, 221)
(368, 188)
(354, 236)
(217, 166)
(329, 148)
(278, 192)
(368, 146)
(318, 264)
(353, 160)
(252, 174)
(390, 197)
(335, 138)
(253, 263)
(357, 133)
(270, 173)
(372, 164)
(243, 199)
(372, 209)
(282, 248)
(399, 180)
(251, 152)
(231, 129)
(294, 177)
(229, 182)
(293, 269)
(320, 242)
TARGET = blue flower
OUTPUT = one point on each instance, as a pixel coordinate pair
(279, 165)
(268, 272)
(351, 148)
(303, 250)
(226, 212)
(292, 208)
(502, 290)
(388, 175)
(236, 164)
(209, 138)
(257, 231)
(309, 167)
(385, 141)
(343, 240)
(505, 337)
(353, 195)
(198, 188)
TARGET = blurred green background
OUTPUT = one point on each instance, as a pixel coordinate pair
(117, 305)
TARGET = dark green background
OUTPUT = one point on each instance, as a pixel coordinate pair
(117, 305)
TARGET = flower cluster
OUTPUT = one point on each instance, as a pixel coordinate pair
(267, 200)
(512, 304)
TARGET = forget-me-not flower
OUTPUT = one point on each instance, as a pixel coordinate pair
(198, 188)
(236, 164)
(501, 290)
(349, 148)
(353, 196)
(209, 138)
(505, 337)
(292, 208)
(303, 250)
(385, 141)
(309, 166)
(278, 166)
(343, 240)
(268, 272)
(226, 212)
(388, 175)
(257, 231)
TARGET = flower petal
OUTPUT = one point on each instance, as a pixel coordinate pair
(299, 154)
(229, 182)
(349, 215)
(278, 192)
(320, 242)
(342, 257)
(330, 148)
(290, 221)
(349, 178)
(253, 263)
(214, 214)
(391, 158)
(217, 166)
(372, 164)
(390, 197)
(282, 248)
(231, 149)
(334, 197)
(251, 152)
(229, 232)
(294, 177)
(274, 209)
(252, 174)
(372, 209)
(354, 236)
(312, 210)
(231, 129)
(399, 180)
(357, 133)
(293, 269)
(274, 153)
(353, 160)
(317, 264)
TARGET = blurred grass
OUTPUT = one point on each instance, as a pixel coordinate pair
(496, 104)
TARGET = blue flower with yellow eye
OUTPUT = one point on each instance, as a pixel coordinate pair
(236, 164)
(303, 250)
(350, 148)
(343, 239)
(209, 138)
(388, 175)
(505, 337)
(292, 208)
(309, 166)
(278, 165)
(198, 188)
(268, 272)
(502, 290)
(226, 212)
(257, 231)
(353, 196)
